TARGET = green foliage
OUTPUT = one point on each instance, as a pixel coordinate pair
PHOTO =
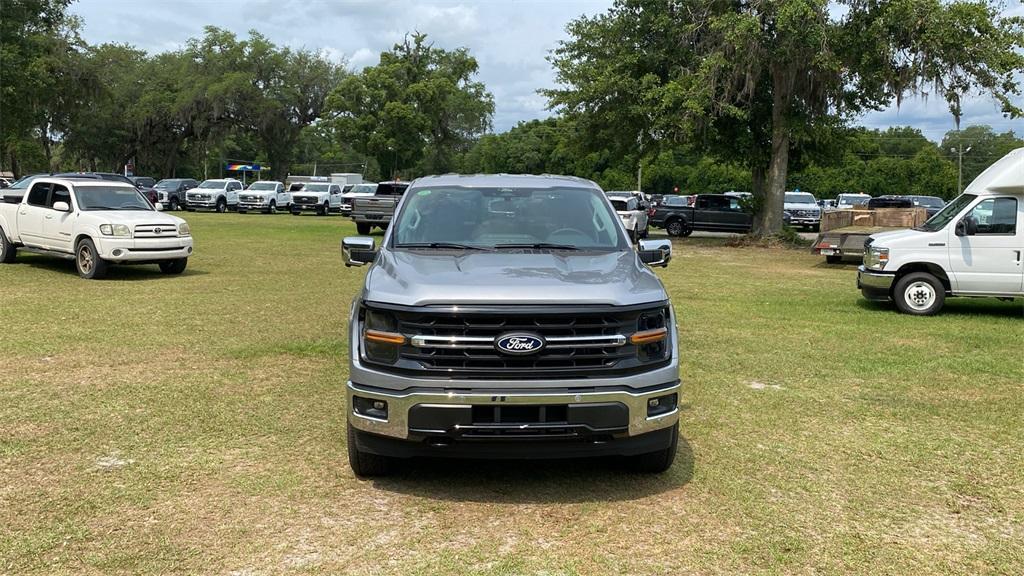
(985, 148)
(415, 110)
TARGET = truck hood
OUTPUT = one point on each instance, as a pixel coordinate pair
(416, 278)
(898, 238)
(795, 206)
(133, 217)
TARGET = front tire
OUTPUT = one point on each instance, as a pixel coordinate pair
(655, 462)
(174, 266)
(323, 210)
(273, 208)
(222, 205)
(8, 251)
(675, 228)
(174, 206)
(88, 262)
(363, 229)
(919, 294)
(364, 464)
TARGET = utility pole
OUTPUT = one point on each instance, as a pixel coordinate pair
(960, 151)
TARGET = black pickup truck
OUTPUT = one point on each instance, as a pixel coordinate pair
(708, 212)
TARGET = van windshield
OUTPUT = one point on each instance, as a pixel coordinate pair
(497, 218)
(944, 216)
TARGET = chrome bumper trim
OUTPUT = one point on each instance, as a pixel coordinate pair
(876, 280)
(399, 403)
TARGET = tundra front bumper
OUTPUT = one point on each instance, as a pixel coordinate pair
(144, 249)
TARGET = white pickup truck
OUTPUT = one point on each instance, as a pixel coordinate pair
(320, 197)
(220, 194)
(265, 196)
(972, 247)
(93, 222)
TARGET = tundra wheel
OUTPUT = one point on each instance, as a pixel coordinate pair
(365, 464)
(174, 266)
(222, 205)
(655, 462)
(8, 251)
(920, 294)
(88, 262)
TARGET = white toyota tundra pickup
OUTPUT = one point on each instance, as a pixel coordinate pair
(93, 222)
(974, 246)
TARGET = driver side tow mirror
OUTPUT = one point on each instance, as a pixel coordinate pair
(967, 226)
(655, 252)
(358, 250)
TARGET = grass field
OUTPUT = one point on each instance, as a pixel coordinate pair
(195, 424)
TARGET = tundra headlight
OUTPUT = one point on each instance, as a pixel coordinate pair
(184, 230)
(876, 258)
(119, 230)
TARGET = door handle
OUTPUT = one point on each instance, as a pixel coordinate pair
(49, 216)
(1016, 254)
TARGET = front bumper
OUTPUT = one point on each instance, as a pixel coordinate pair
(253, 206)
(202, 204)
(804, 221)
(306, 207)
(144, 249)
(401, 403)
(371, 218)
(875, 286)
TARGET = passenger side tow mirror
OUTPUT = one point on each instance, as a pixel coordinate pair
(655, 252)
(358, 250)
(61, 207)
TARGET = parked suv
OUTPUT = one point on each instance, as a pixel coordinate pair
(510, 317)
(972, 247)
(219, 194)
(171, 192)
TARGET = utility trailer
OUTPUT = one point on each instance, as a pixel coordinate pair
(843, 232)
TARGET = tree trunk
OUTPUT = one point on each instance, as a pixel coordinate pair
(769, 221)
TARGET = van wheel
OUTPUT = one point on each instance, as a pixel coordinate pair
(363, 229)
(655, 462)
(920, 294)
(222, 205)
(88, 262)
(174, 266)
(365, 464)
(8, 251)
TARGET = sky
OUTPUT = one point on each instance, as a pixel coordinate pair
(509, 38)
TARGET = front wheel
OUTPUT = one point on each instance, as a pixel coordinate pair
(174, 266)
(8, 251)
(365, 464)
(88, 262)
(174, 206)
(273, 207)
(633, 236)
(323, 210)
(655, 462)
(363, 229)
(919, 294)
(222, 206)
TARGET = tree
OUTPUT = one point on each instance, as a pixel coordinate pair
(756, 80)
(418, 108)
(985, 148)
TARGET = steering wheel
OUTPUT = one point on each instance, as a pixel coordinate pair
(569, 231)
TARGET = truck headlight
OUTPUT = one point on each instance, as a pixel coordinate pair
(118, 230)
(184, 230)
(876, 258)
(651, 337)
(381, 339)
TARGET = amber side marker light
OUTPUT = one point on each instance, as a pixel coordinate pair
(386, 337)
(648, 336)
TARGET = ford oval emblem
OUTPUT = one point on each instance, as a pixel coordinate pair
(519, 343)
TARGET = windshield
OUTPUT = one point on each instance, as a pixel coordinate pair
(852, 199)
(263, 186)
(24, 181)
(944, 216)
(213, 184)
(316, 187)
(495, 218)
(167, 184)
(364, 189)
(928, 201)
(800, 198)
(110, 198)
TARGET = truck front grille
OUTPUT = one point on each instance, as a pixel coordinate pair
(305, 200)
(581, 341)
(155, 231)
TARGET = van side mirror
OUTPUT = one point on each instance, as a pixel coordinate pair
(61, 207)
(358, 250)
(655, 252)
(967, 226)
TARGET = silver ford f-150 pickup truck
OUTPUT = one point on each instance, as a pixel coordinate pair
(510, 317)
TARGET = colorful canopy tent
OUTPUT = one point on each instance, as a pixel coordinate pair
(245, 168)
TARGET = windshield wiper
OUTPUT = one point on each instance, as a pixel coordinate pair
(539, 246)
(442, 245)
